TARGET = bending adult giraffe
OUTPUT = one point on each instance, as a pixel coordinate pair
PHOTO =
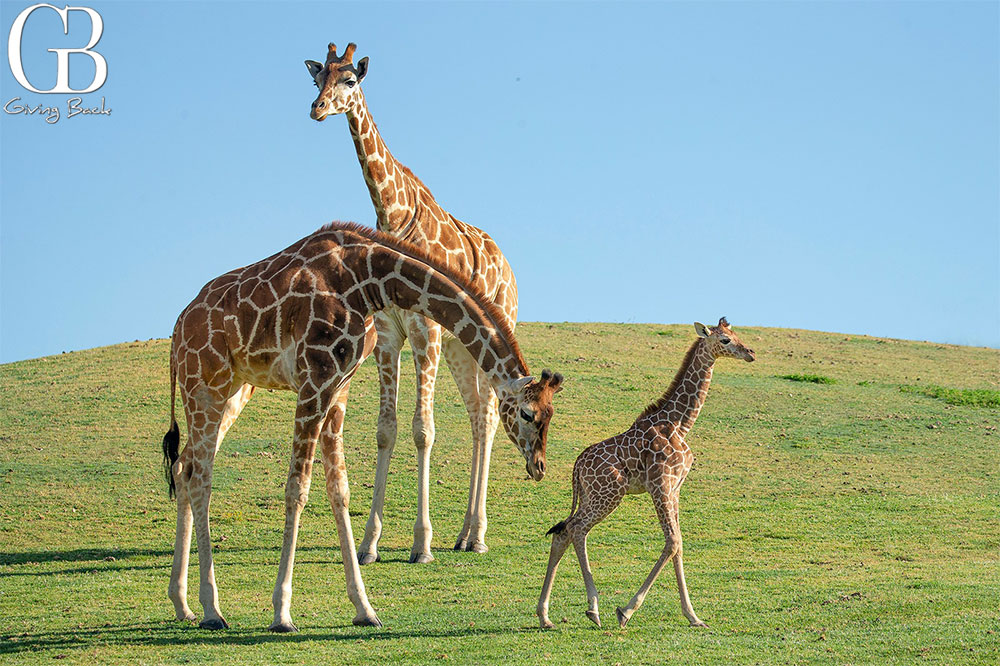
(300, 320)
(406, 209)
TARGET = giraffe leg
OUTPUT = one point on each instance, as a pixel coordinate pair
(338, 491)
(679, 571)
(177, 591)
(666, 511)
(601, 492)
(209, 415)
(425, 340)
(387, 349)
(560, 541)
(310, 414)
(467, 373)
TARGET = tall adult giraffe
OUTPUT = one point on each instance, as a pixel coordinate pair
(301, 320)
(406, 209)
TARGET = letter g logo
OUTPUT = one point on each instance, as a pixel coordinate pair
(62, 55)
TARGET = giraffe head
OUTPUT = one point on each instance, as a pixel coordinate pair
(722, 341)
(525, 410)
(338, 81)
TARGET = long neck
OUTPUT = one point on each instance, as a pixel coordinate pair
(391, 188)
(683, 400)
(410, 283)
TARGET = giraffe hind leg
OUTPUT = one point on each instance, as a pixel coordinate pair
(425, 340)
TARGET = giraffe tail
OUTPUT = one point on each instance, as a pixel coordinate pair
(172, 440)
(559, 527)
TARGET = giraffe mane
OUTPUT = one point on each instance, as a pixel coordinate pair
(406, 248)
(658, 404)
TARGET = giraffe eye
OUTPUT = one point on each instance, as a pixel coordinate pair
(527, 416)
(724, 341)
(350, 83)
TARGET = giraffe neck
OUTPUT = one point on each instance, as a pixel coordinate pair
(686, 395)
(400, 277)
(392, 189)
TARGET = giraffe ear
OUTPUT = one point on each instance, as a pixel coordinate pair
(517, 385)
(701, 330)
(362, 68)
(313, 67)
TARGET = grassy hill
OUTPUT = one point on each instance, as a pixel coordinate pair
(843, 508)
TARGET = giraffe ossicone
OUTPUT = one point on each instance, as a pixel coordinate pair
(651, 457)
(405, 208)
(301, 320)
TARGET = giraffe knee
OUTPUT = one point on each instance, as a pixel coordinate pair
(385, 436)
(672, 545)
(423, 435)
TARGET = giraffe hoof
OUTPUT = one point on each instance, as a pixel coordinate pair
(622, 618)
(368, 558)
(461, 544)
(187, 617)
(477, 547)
(699, 623)
(283, 628)
(214, 624)
(594, 617)
(421, 558)
(367, 621)
(545, 623)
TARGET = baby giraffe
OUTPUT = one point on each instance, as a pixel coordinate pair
(652, 456)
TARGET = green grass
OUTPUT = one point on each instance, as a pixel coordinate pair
(812, 379)
(969, 397)
(850, 523)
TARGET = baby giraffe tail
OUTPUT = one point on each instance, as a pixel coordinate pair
(561, 525)
(171, 441)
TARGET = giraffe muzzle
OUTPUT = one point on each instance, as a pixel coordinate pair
(319, 111)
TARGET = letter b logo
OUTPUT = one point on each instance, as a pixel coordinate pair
(62, 55)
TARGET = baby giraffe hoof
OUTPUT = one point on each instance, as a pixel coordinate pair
(368, 558)
(699, 623)
(283, 628)
(367, 621)
(214, 624)
(187, 617)
(545, 623)
(594, 617)
(622, 618)
(421, 558)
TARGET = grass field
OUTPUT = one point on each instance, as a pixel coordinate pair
(852, 522)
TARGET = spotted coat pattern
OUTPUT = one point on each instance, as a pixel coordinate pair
(405, 208)
(301, 320)
(650, 457)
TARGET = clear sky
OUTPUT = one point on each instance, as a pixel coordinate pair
(829, 166)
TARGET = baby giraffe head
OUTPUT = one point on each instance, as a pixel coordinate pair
(525, 411)
(722, 341)
(338, 81)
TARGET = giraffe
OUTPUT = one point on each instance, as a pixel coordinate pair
(406, 209)
(652, 456)
(300, 320)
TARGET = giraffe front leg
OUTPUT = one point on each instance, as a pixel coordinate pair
(177, 590)
(490, 420)
(339, 493)
(465, 370)
(387, 349)
(560, 541)
(425, 340)
(666, 511)
(580, 544)
(296, 496)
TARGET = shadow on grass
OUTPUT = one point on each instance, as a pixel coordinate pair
(184, 634)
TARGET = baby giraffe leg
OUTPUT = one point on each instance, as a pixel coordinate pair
(560, 541)
(580, 544)
(666, 511)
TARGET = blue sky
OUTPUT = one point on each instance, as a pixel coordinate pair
(829, 166)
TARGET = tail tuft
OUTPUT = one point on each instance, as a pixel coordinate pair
(171, 445)
(557, 528)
